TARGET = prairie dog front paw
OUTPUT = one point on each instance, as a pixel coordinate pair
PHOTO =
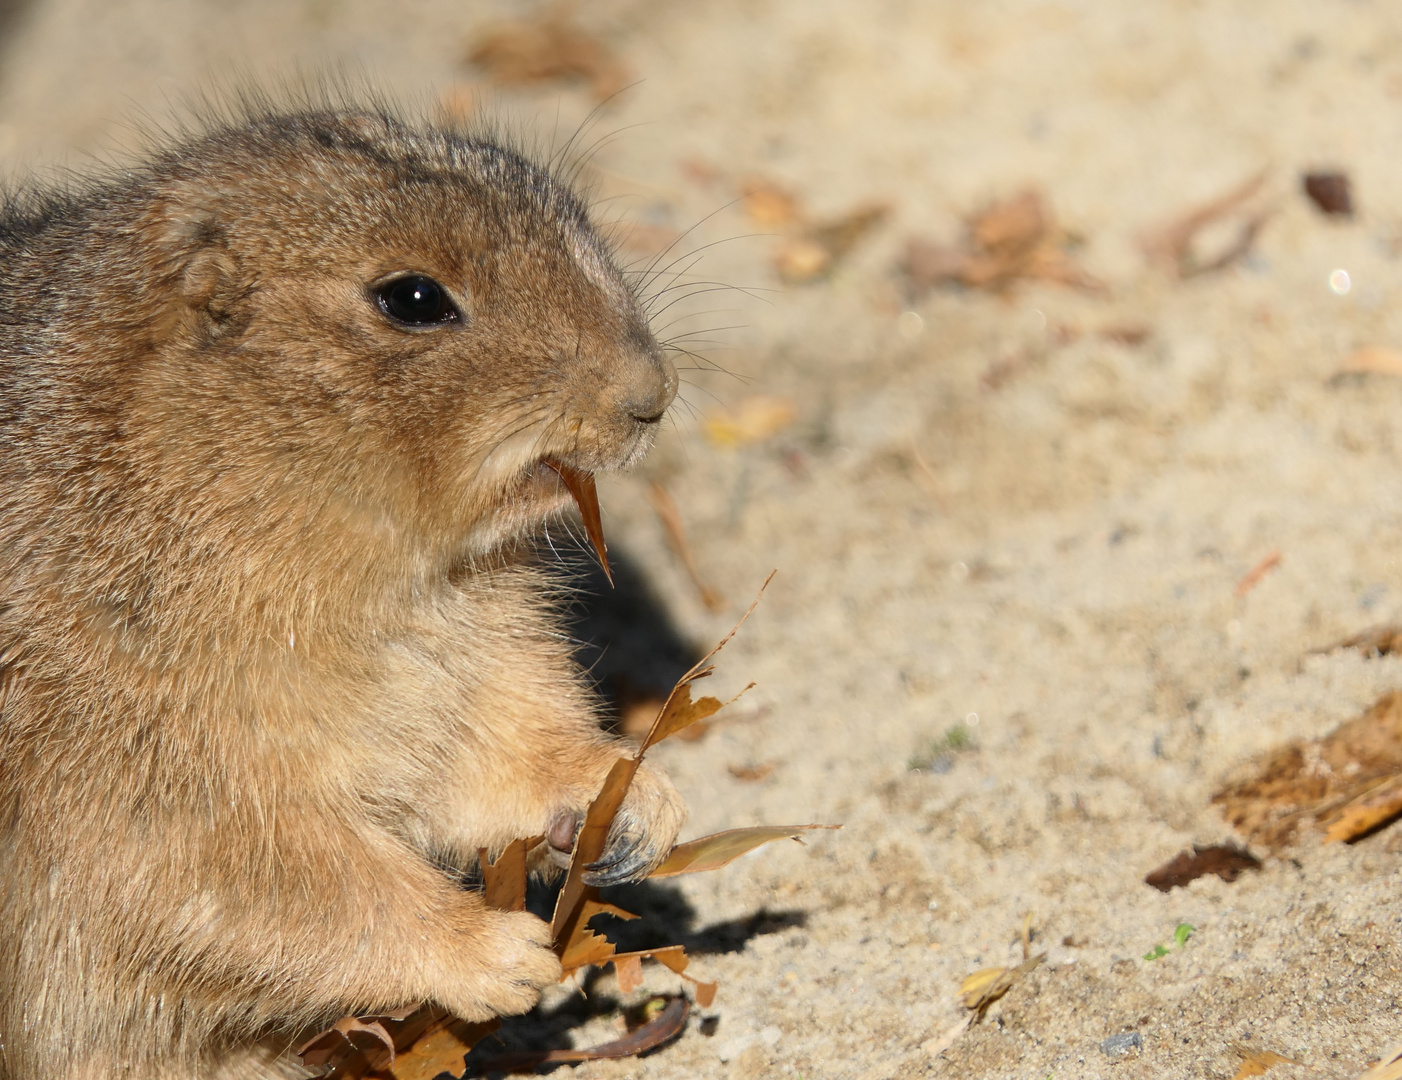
(643, 832)
(510, 962)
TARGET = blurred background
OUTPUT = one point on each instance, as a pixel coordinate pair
(1050, 351)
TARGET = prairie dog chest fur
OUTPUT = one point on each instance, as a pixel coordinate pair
(283, 407)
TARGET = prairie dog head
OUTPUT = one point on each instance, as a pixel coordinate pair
(401, 326)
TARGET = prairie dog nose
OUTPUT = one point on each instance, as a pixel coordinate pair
(654, 388)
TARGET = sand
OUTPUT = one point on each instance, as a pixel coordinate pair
(1002, 513)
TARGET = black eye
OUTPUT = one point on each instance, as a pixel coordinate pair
(416, 301)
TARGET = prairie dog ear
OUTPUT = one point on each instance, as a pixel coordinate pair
(188, 234)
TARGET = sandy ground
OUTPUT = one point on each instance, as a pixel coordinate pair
(1046, 557)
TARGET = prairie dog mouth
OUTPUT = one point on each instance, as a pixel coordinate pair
(580, 485)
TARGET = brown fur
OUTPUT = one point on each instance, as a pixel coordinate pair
(274, 659)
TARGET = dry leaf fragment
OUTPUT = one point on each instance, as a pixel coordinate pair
(751, 420)
(1258, 1062)
(1176, 243)
(768, 204)
(1227, 861)
(504, 881)
(1366, 812)
(983, 988)
(671, 518)
(1376, 640)
(1253, 577)
(583, 490)
(1388, 1067)
(550, 49)
(814, 253)
(1329, 780)
(1372, 360)
(664, 1026)
(751, 773)
(1331, 192)
(723, 848)
(1009, 240)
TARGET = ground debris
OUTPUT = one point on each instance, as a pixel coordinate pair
(1227, 861)
(1331, 192)
(983, 988)
(550, 48)
(670, 516)
(811, 247)
(1388, 1067)
(1375, 641)
(1258, 1062)
(1014, 239)
(1369, 360)
(1348, 783)
(1183, 243)
(1122, 1045)
(662, 1028)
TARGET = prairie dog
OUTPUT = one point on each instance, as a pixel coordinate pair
(277, 408)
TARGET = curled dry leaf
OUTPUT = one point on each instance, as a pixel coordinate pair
(586, 496)
(1010, 240)
(666, 1025)
(983, 988)
(1346, 782)
(1179, 245)
(551, 48)
(723, 848)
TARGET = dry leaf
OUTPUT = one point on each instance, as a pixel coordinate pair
(664, 1026)
(1331, 192)
(751, 773)
(1253, 577)
(1227, 861)
(671, 518)
(1259, 1062)
(504, 881)
(983, 988)
(1366, 812)
(1388, 1067)
(1376, 640)
(815, 251)
(1176, 243)
(1011, 240)
(586, 497)
(723, 848)
(751, 420)
(1330, 780)
(768, 204)
(550, 49)
(1372, 360)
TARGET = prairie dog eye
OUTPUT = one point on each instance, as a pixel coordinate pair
(415, 300)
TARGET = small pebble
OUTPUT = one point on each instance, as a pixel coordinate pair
(770, 1036)
(1120, 1045)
